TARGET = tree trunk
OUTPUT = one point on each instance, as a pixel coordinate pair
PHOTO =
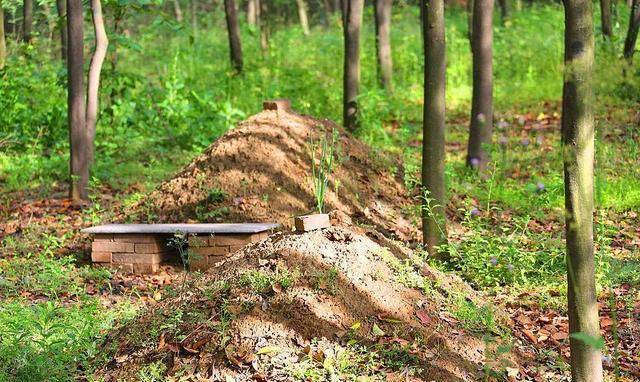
(27, 20)
(93, 83)
(194, 17)
(383, 42)
(233, 30)
(605, 18)
(3, 45)
(178, 10)
(505, 10)
(252, 9)
(632, 32)
(351, 75)
(433, 204)
(79, 163)
(263, 21)
(61, 6)
(302, 14)
(50, 24)
(578, 153)
(482, 101)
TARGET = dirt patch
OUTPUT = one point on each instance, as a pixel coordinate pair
(324, 305)
(261, 171)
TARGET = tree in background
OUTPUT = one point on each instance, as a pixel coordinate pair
(482, 101)
(383, 42)
(93, 82)
(79, 162)
(3, 46)
(505, 10)
(27, 20)
(433, 204)
(302, 15)
(605, 18)
(578, 154)
(177, 9)
(632, 32)
(351, 76)
(233, 31)
(252, 12)
(61, 7)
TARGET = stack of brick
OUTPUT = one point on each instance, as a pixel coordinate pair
(131, 253)
(208, 250)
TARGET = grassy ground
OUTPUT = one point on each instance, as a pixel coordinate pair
(169, 97)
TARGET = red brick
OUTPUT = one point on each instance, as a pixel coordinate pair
(143, 268)
(100, 257)
(211, 251)
(103, 237)
(138, 258)
(150, 247)
(140, 238)
(111, 246)
(237, 239)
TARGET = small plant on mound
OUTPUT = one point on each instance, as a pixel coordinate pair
(322, 167)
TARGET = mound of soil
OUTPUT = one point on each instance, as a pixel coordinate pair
(261, 172)
(323, 305)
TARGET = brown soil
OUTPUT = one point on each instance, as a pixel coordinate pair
(263, 168)
(323, 305)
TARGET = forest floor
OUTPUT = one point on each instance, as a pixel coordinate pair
(507, 244)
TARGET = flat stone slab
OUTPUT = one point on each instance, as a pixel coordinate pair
(207, 228)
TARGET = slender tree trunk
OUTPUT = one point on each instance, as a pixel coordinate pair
(79, 165)
(48, 17)
(482, 102)
(383, 42)
(632, 32)
(351, 75)
(252, 9)
(93, 83)
(263, 21)
(61, 6)
(578, 152)
(3, 44)
(27, 20)
(117, 18)
(505, 10)
(302, 14)
(233, 30)
(178, 10)
(194, 17)
(605, 18)
(434, 202)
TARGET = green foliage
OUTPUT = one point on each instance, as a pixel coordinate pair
(322, 167)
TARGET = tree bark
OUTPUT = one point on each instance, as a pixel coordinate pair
(27, 20)
(351, 75)
(252, 9)
(505, 10)
(79, 163)
(578, 154)
(50, 24)
(3, 44)
(302, 15)
(433, 204)
(605, 18)
(482, 101)
(93, 83)
(263, 21)
(178, 10)
(383, 42)
(61, 6)
(632, 32)
(233, 30)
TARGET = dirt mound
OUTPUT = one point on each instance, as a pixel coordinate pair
(261, 171)
(324, 305)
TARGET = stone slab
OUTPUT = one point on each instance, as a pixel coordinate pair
(207, 228)
(311, 222)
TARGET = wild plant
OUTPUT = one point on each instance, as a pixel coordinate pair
(322, 166)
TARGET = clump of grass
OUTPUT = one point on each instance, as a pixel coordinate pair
(322, 167)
